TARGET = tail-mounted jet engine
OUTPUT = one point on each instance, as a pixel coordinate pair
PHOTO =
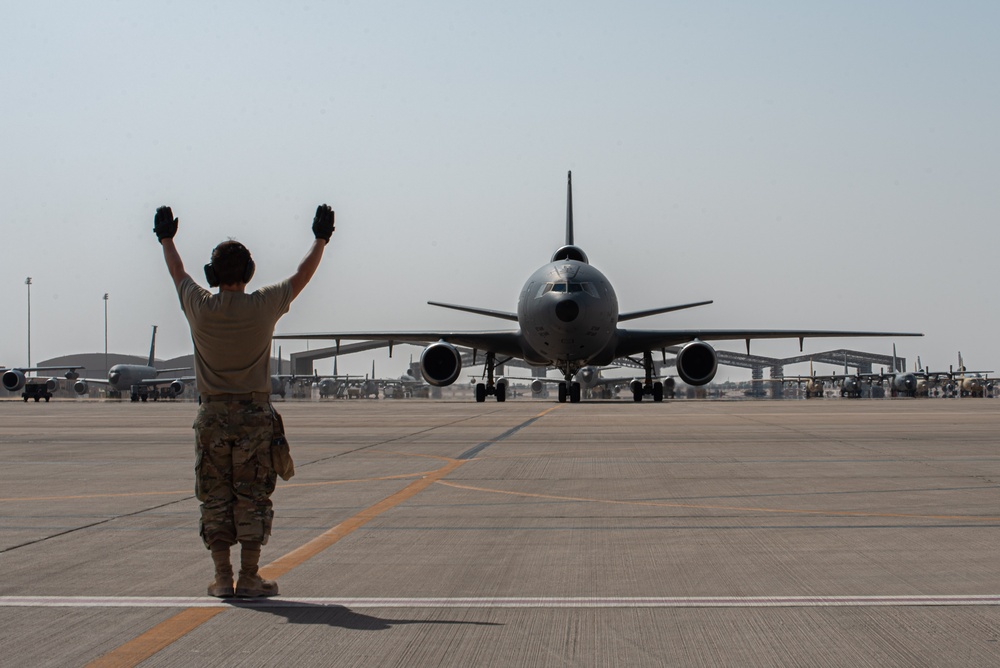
(697, 363)
(440, 364)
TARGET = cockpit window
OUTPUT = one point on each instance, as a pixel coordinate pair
(568, 287)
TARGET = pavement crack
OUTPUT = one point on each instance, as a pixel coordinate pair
(395, 439)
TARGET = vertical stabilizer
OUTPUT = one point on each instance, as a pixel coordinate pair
(152, 349)
(569, 208)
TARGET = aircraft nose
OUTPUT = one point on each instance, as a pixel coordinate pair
(567, 310)
(114, 376)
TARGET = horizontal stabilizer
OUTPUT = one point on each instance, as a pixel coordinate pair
(666, 309)
(479, 311)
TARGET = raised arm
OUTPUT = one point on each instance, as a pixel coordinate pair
(323, 229)
(165, 227)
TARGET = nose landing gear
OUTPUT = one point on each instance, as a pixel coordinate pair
(569, 390)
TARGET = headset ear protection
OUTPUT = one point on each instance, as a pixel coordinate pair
(213, 278)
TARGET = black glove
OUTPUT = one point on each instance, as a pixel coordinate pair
(323, 223)
(164, 225)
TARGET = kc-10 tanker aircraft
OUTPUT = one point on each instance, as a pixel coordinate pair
(568, 318)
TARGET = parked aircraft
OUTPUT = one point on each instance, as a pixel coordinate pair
(13, 379)
(965, 383)
(568, 318)
(138, 379)
(408, 385)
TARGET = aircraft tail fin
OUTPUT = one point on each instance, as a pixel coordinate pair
(569, 209)
(895, 364)
(152, 349)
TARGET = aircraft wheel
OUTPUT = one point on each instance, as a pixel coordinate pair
(501, 393)
(562, 393)
(657, 391)
(574, 393)
(480, 392)
(637, 396)
(47, 399)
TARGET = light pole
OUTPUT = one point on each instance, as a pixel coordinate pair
(27, 282)
(105, 333)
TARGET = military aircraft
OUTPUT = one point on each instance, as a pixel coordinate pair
(568, 318)
(407, 386)
(138, 379)
(14, 379)
(815, 384)
(965, 383)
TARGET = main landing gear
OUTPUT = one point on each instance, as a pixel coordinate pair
(491, 387)
(650, 387)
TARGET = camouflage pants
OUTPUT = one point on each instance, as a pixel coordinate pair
(234, 477)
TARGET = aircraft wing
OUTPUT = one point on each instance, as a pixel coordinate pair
(632, 342)
(501, 342)
(153, 382)
(96, 381)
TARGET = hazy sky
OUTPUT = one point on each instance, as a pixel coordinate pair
(805, 165)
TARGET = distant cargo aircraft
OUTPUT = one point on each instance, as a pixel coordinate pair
(138, 379)
(962, 382)
(13, 379)
(568, 318)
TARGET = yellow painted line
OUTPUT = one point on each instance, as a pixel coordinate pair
(296, 557)
(167, 632)
(152, 641)
(691, 506)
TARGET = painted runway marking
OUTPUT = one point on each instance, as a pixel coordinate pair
(692, 506)
(501, 602)
(167, 632)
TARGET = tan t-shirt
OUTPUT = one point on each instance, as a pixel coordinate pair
(232, 334)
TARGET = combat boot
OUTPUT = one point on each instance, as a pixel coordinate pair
(222, 585)
(250, 584)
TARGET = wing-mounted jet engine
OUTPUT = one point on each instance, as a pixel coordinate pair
(440, 364)
(697, 363)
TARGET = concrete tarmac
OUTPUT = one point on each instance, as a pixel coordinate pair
(423, 533)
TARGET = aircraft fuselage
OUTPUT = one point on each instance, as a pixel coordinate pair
(122, 377)
(568, 313)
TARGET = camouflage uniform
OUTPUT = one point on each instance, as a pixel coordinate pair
(234, 476)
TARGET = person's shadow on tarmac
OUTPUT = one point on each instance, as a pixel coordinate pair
(336, 615)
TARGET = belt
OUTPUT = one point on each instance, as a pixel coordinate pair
(262, 397)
